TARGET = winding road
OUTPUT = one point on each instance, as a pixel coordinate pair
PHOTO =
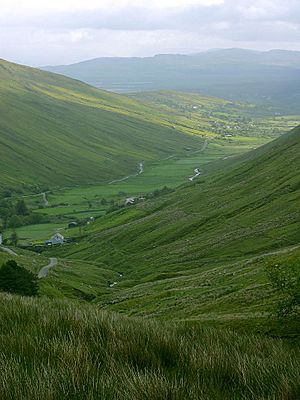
(140, 171)
(44, 271)
(9, 251)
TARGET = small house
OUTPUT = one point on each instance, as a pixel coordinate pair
(56, 239)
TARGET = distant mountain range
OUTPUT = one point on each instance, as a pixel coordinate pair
(271, 77)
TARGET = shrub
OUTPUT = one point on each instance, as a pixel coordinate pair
(16, 279)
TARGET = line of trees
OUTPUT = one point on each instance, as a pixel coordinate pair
(18, 214)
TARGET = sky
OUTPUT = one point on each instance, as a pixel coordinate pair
(54, 32)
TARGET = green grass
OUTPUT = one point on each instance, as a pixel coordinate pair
(85, 201)
(193, 252)
(56, 131)
(36, 232)
(171, 172)
(32, 261)
(61, 350)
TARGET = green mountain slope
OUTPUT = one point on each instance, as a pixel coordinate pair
(180, 249)
(265, 77)
(58, 131)
(221, 212)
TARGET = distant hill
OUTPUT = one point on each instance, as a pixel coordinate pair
(271, 77)
(56, 131)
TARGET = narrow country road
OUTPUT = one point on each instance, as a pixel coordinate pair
(44, 271)
(45, 200)
(9, 251)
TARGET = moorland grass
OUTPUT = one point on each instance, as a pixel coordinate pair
(59, 350)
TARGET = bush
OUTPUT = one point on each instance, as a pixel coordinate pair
(16, 279)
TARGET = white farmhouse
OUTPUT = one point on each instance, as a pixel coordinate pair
(56, 239)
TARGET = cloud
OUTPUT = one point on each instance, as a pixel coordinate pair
(76, 29)
(15, 7)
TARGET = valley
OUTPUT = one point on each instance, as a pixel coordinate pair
(160, 232)
(81, 202)
(176, 259)
(229, 128)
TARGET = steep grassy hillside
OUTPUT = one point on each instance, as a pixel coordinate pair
(266, 77)
(57, 350)
(57, 131)
(202, 242)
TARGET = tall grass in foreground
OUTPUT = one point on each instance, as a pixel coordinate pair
(56, 350)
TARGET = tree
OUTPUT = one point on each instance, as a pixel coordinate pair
(16, 279)
(14, 238)
(285, 280)
(21, 208)
(14, 221)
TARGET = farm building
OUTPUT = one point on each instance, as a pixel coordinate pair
(56, 239)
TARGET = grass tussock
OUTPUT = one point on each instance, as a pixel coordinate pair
(58, 350)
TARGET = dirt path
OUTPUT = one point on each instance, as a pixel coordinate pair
(44, 271)
(9, 251)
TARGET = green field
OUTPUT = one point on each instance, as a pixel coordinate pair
(85, 201)
(36, 232)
